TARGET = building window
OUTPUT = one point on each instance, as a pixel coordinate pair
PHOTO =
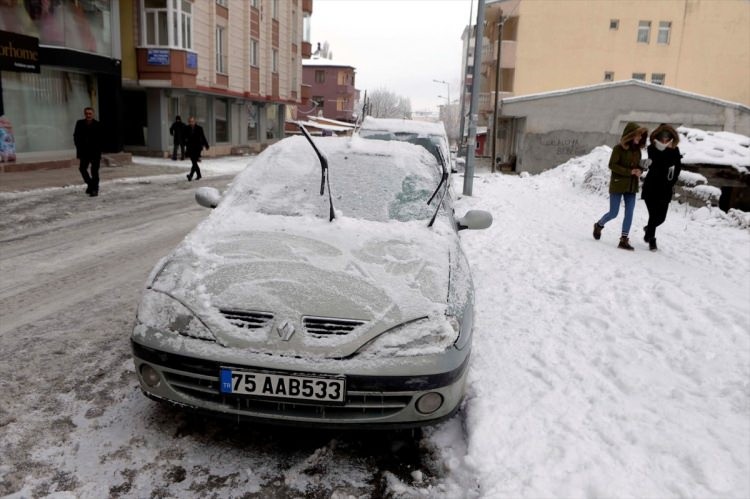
(221, 115)
(306, 27)
(318, 100)
(644, 31)
(221, 54)
(187, 25)
(159, 32)
(664, 28)
(157, 29)
(274, 61)
(275, 9)
(614, 24)
(254, 52)
(223, 3)
(639, 76)
(254, 4)
(609, 76)
(320, 76)
(657, 78)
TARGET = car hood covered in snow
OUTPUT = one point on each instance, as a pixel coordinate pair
(314, 289)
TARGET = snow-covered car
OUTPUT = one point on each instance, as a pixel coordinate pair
(430, 135)
(328, 287)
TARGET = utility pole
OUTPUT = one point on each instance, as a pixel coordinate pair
(472, 140)
(497, 91)
(463, 76)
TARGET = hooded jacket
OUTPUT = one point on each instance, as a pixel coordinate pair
(661, 177)
(626, 156)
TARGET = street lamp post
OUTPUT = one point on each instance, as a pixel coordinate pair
(447, 86)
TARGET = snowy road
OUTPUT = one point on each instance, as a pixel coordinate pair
(595, 372)
(71, 416)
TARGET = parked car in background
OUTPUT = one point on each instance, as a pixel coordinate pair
(323, 290)
(424, 133)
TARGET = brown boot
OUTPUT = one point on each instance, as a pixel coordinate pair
(597, 231)
(625, 244)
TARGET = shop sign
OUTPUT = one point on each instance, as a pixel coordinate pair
(192, 60)
(19, 52)
(158, 57)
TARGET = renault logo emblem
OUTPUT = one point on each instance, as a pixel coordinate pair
(285, 330)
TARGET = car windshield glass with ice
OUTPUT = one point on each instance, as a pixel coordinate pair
(369, 180)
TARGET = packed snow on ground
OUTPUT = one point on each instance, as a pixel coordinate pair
(595, 372)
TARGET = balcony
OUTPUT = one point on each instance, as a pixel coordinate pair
(307, 6)
(178, 67)
(306, 49)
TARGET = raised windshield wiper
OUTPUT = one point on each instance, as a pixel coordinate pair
(324, 179)
(443, 180)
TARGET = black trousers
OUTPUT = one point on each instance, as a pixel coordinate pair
(182, 150)
(91, 180)
(657, 213)
(195, 169)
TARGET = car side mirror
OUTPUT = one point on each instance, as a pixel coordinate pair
(208, 197)
(475, 220)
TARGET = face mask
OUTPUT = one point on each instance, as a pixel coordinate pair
(661, 145)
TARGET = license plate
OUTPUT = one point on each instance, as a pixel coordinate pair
(319, 389)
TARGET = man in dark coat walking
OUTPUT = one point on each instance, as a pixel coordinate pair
(666, 164)
(177, 130)
(88, 140)
(195, 141)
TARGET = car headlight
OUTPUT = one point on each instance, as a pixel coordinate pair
(164, 313)
(425, 336)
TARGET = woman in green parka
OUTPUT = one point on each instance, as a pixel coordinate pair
(627, 167)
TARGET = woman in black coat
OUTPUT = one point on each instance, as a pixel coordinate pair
(662, 176)
(195, 141)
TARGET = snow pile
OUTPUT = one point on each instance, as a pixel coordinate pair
(714, 148)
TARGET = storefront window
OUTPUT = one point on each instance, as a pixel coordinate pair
(252, 122)
(197, 107)
(44, 107)
(221, 121)
(77, 24)
(272, 121)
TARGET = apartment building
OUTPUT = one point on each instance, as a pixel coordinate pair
(236, 65)
(699, 46)
(333, 94)
(55, 59)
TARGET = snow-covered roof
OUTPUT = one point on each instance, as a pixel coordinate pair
(322, 126)
(714, 148)
(325, 62)
(329, 121)
(623, 83)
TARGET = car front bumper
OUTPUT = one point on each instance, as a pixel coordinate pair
(373, 400)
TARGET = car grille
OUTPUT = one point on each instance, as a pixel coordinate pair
(357, 404)
(327, 326)
(247, 319)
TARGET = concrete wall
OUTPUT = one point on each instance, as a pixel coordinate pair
(562, 126)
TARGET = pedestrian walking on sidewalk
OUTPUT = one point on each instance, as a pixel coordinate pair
(626, 167)
(177, 131)
(87, 137)
(658, 187)
(195, 141)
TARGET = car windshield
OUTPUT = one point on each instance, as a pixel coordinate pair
(369, 180)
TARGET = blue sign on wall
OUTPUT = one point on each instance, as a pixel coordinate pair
(158, 57)
(192, 60)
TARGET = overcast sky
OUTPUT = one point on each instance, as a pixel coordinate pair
(400, 45)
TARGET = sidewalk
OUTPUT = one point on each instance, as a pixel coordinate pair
(61, 177)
